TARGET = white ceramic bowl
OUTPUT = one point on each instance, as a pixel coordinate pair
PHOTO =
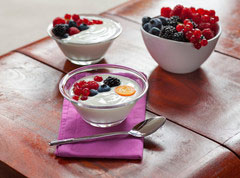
(103, 115)
(88, 52)
(178, 57)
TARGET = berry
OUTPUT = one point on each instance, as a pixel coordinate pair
(193, 10)
(211, 12)
(145, 19)
(67, 16)
(164, 20)
(193, 39)
(188, 27)
(165, 11)
(58, 20)
(205, 18)
(189, 34)
(79, 22)
(177, 10)
(65, 35)
(173, 21)
(84, 97)
(93, 85)
(72, 23)
(179, 27)
(81, 83)
(59, 30)
(204, 42)
(156, 23)
(186, 21)
(98, 78)
(214, 28)
(197, 45)
(83, 27)
(104, 88)
(186, 14)
(99, 22)
(196, 18)
(197, 33)
(93, 92)
(179, 36)
(112, 81)
(203, 26)
(168, 32)
(77, 90)
(86, 21)
(216, 18)
(75, 97)
(85, 85)
(75, 17)
(207, 33)
(154, 31)
(85, 92)
(200, 11)
(73, 31)
(147, 27)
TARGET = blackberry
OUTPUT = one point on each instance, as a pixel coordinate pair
(168, 32)
(59, 30)
(174, 20)
(179, 36)
(112, 81)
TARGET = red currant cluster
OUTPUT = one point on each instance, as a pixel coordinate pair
(82, 89)
(199, 25)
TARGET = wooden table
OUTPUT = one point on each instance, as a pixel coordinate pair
(201, 137)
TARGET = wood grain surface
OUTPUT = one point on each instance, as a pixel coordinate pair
(30, 107)
(228, 12)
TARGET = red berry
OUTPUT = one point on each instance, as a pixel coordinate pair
(206, 12)
(58, 20)
(204, 42)
(188, 27)
(85, 85)
(84, 97)
(207, 33)
(203, 26)
(179, 27)
(77, 90)
(214, 28)
(189, 34)
(99, 22)
(200, 11)
(193, 9)
(75, 17)
(193, 39)
(186, 21)
(177, 10)
(73, 31)
(205, 18)
(197, 33)
(67, 16)
(85, 92)
(75, 97)
(85, 21)
(212, 12)
(81, 83)
(165, 11)
(79, 22)
(216, 18)
(98, 78)
(196, 18)
(197, 45)
(212, 20)
(186, 13)
(93, 85)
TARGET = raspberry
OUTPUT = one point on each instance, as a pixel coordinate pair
(75, 97)
(58, 20)
(203, 26)
(205, 18)
(200, 11)
(186, 14)
(165, 11)
(98, 78)
(86, 92)
(177, 10)
(196, 18)
(204, 42)
(207, 33)
(193, 10)
(179, 27)
(216, 18)
(84, 97)
(73, 31)
(67, 16)
(75, 17)
(93, 85)
(197, 45)
(212, 12)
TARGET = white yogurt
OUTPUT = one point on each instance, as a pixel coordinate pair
(96, 33)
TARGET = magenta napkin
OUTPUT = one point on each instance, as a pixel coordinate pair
(121, 147)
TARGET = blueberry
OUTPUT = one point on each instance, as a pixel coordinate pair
(83, 27)
(145, 19)
(156, 23)
(65, 35)
(104, 88)
(66, 26)
(93, 92)
(155, 31)
(164, 20)
(72, 24)
(147, 27)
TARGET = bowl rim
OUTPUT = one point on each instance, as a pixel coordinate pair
(185, 43)
(101, 66)
(50, 26)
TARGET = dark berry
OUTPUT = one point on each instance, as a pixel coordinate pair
(112, 81)
(147, 27)
(156, 23)
(168, 32)
(72, 23)
(179, 36)
(164, 20)
(93, 92)
(154, 31)
(174, 20)
(59, 30)
(104, 88)
(145, 19)
(83, 27)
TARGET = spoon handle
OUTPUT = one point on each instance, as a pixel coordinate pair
(75, 140)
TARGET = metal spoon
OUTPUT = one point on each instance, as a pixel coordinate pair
(142, 129)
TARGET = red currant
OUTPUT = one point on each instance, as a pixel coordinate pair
(197, 45)
(85, 92)
(188, 27)
(75, 17)
(186, 21)
(179, 27)
(189, 34)
(81, 83)
(93, 85)
(67, 16)
(204, 42)
(75, 97)
(84, 97)
(197, 33)
(77, 90)
(98, 78)
(193, 39)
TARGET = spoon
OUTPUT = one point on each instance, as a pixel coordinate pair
(142, 129)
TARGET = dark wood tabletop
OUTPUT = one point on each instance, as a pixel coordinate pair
(201, 137)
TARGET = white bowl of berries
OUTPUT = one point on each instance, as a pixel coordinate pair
(84, 39)
(182, 38)
(103, 94)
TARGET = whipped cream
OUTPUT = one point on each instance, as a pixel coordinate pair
(110, 97)
(97, 32)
